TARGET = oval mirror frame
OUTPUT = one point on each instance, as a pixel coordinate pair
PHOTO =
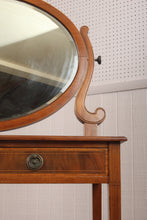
(74, 86)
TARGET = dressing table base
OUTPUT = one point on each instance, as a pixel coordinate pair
(93, 160)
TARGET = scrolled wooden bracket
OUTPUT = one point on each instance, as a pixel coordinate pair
(81, 111)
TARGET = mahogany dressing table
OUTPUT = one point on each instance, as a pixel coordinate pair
(44, 61)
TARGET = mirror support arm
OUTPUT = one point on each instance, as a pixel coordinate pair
(90, 119)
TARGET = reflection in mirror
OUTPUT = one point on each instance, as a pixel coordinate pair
(38, 59)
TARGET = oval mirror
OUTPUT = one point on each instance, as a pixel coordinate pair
(40, 56)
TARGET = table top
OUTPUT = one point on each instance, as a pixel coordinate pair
(62, 138)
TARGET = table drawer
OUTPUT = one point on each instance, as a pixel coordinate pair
(55, 160)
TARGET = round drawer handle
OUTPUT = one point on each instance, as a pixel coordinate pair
(34, 162)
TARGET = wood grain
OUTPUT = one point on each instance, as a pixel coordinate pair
(58, 160)
(114, 181)
(71, 159)
(81, 111)
(73, 139)
(97, 201)
(52, 178)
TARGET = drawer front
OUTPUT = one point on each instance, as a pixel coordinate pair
(55, 160)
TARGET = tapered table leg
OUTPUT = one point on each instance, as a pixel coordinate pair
(97, 197)
(114, 182)
(114, 201)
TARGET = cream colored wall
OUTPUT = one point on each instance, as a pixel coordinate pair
(126, 115)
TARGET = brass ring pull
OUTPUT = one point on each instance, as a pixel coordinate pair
(34, 162)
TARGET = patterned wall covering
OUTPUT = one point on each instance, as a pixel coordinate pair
(126, 115)
(117, 30)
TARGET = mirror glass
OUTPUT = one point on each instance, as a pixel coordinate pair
(38, 59)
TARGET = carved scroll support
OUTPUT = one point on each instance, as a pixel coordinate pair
(90, 119)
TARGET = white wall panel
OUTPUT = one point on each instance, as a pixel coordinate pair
(126, 115)
(125, 127)
(139, 153)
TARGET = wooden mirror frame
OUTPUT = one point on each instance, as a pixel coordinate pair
(75, 85)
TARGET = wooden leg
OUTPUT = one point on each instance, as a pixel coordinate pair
(97, 197)
(114, 182)
(115, 202)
